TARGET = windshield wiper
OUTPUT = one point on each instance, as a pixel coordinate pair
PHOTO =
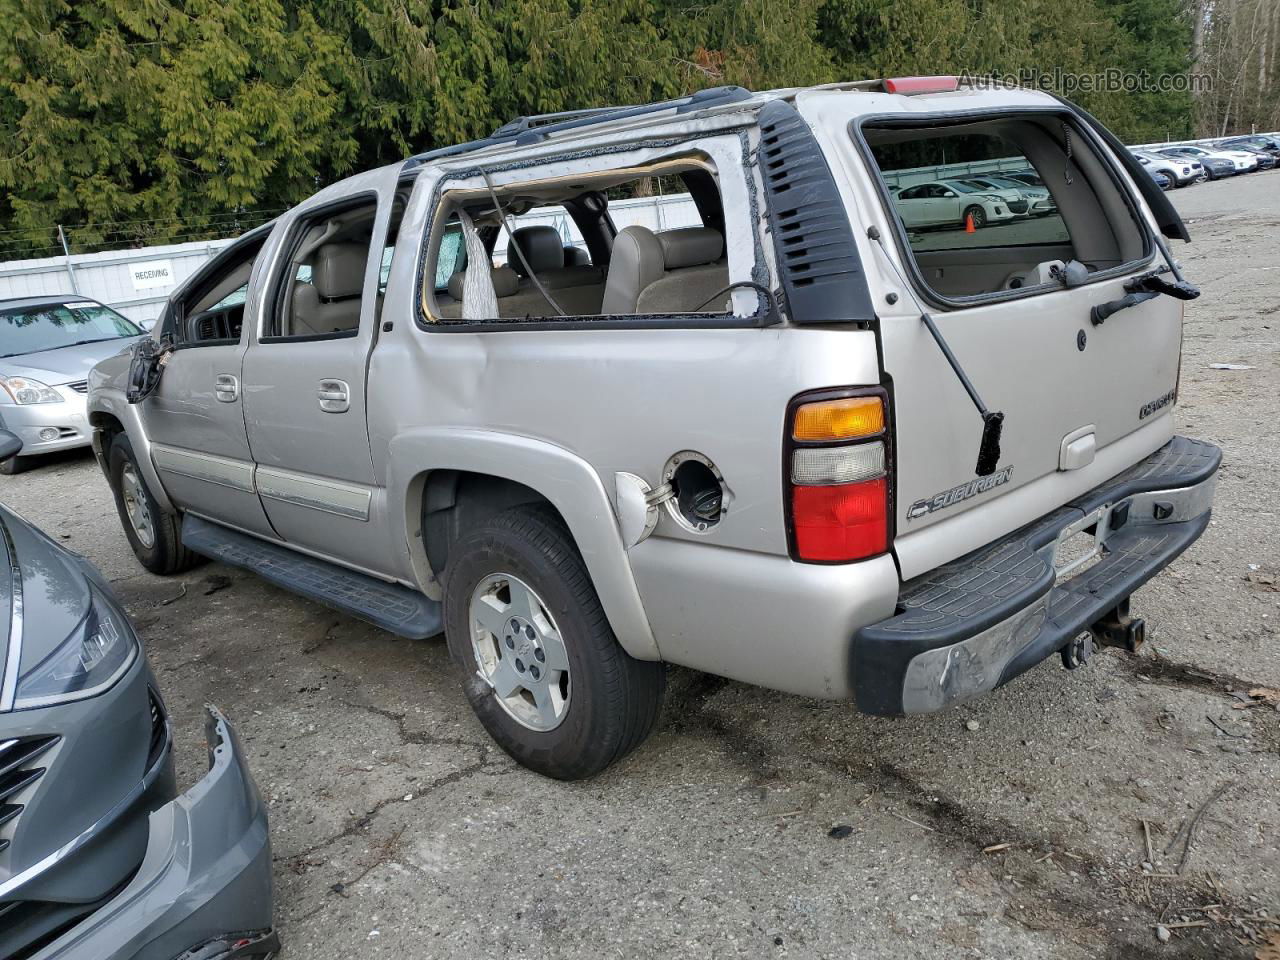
(81, 343)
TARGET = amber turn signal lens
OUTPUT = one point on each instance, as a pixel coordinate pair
(845, 419)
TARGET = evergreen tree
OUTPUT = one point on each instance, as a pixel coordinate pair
(141, 121)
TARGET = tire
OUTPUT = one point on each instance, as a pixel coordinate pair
(164, 554)
(524, 560)
(14, 465)
(979, 217)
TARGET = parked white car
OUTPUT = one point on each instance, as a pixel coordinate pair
(1243, 161)
(951, 202)
(1029, 199)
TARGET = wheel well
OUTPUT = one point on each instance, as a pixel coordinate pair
(456, 500)
(105, 428)
(105, 422)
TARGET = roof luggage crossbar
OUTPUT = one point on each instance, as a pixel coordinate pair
(523, 131)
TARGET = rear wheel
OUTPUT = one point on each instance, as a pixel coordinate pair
(152, 531)
(541, 666)
(977, 214)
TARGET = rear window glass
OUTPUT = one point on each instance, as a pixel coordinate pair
(969, 190)
(987, 207)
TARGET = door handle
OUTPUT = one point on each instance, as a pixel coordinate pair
(335, 396)
(226, 387)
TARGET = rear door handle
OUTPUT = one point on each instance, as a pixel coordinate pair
(226, 388)
(335, 396)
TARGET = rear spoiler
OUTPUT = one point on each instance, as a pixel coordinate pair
(1167, 218)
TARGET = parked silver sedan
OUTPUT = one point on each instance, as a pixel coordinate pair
(48, 344)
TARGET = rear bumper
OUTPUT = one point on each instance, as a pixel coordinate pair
(972, 625)
(205, 881)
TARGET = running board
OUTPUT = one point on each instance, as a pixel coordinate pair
(395, 608)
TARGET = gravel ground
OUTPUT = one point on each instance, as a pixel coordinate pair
(1010, 827)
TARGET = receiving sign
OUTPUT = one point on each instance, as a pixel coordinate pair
(151, 274)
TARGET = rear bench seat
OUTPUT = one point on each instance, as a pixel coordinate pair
(676, 271)
(577, 288)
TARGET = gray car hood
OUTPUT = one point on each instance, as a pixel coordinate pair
(55, 590)
(65, 364)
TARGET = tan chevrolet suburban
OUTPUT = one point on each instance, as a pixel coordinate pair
(868, 428)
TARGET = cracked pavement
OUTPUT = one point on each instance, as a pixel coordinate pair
(401, 831)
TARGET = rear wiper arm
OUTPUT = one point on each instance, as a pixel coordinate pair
(1154, 282)
(1144, 288)
(992, 420)
(1148, 286)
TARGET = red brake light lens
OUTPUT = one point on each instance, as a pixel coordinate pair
(842, 522)
(909, 85)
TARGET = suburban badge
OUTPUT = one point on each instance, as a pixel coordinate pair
(1157, 404)
(965, 491)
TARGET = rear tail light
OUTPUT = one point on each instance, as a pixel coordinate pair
(845, 418)
(837, 473)
(811, 466)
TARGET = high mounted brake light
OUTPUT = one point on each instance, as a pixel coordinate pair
(837, 475)
(915, 85)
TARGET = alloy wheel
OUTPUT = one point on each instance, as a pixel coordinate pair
(519, 651)
(135, 505)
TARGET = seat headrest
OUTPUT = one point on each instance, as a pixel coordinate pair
(690, 247)
(636, 263)
(541, 246)
(505, 283)
(337, 270)
(576, 257)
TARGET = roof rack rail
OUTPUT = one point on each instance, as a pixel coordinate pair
(524, 131)
(521, 124)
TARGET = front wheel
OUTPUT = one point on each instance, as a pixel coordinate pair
(14, 465)
(540, 664)
(152, 532)
(977, 214)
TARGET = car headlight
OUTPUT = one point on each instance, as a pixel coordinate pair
(25, 390)
(993, 198)
(98, 652)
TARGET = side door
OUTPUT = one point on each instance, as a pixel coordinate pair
(195, 418)
(912, 206)
(305, 372)
(944, 204)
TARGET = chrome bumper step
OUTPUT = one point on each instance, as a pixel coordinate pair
(977, 622)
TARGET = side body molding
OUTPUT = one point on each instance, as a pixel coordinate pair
(566, 480)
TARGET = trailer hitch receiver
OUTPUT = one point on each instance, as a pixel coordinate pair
(1117, 629)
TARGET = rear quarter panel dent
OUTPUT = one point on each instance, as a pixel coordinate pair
(568, 482)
